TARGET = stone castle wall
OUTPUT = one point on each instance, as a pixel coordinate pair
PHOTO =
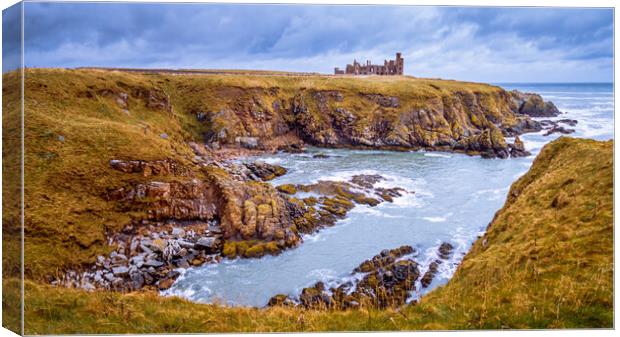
(391, 67)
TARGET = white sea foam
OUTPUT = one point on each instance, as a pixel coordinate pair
(436, 155)
(373, 211)
(435, 218)
(323, 274)
(493, 194)
(272, 160)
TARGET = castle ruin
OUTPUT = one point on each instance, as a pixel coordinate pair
(391, 67)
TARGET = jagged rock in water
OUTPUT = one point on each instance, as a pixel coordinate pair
(558, 129)
(265, 171)
(292, 148)
(523, 125)
(388, 280)
(571, 122)
(518, 149)
(281, 300)
(533, 105)
(444, 251)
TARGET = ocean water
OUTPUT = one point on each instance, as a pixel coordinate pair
(452, 199)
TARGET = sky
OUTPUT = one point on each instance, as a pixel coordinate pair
(467, 43)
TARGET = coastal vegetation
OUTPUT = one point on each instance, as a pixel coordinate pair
(111, 155)
(546, 261)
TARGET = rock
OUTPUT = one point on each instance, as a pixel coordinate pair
(292, 148)
(167, 281)
(108, 276)
(315, 297)
(149, 168)
(320, 156)
(533, 105)
(120, 271)
(383, 101)
(265, 171)
(571, 122)
(430, 274)
(287, 188)
(153, 263)
(281, 300)
(181, 263)
(558, 129)
(137, 260)
(247, 142)
(157, 245)
(523, 125)
(388, 280)
(61, 139)
(137, 280)
(88, 286)
(198, 149)
(518, 149)
(445, 250)
(185, 244)
(178, 233)
(208, 244)
(171, 250)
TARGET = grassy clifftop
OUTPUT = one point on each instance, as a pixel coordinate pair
(546, 261)
(78, 120)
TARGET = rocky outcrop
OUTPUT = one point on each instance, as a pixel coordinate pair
(533, 105)
(148, 259)
(163, 201)
(386, 280)
(552, 127)
(265, 171)
(443, 253)
(335, 199)
(150, 168)
(355, 116)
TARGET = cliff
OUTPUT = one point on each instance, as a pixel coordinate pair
(110, 153)
(546, 261)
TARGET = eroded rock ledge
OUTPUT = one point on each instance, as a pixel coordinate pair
(181, 220)
(384, 280)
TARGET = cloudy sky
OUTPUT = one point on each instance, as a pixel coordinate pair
(473, 43)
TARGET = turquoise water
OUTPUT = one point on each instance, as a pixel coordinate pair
(455, 197)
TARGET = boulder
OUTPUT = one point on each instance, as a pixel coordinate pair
(178, 233)
(153, 263)
(281, 300)
(120, 271)
(208, 244)
(533, 105)
(168, 280)
(247, 142)
(287, 188)
(265, 171)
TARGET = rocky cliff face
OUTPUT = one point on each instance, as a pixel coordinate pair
(467, 121)
(112, 152)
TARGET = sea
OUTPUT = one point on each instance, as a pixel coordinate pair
(451, 198)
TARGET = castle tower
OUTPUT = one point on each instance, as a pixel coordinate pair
(400, 64)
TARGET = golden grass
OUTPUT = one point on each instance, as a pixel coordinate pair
(66, 216)
(546, 261)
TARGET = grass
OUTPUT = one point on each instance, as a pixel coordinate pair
(546, 261)
(74, 127)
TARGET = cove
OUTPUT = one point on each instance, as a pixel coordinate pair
(454, 198)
